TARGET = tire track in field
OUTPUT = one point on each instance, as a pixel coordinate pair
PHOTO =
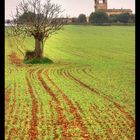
(100, 121)
(121, 125)
(53, 121)
(73, 110)
(129, 122)
(71, 105)
(107, 131)
(7, 98)
(117, 105)
(42, 120)
(104, 123)
(107, 118)
(61, 121)
(15, 131)
(67, 75)
(88, 74)
(94, 135)
(11, 114)
(7, 106)
(14, 100)
(48, 132)
(26, 121)
(33, 131)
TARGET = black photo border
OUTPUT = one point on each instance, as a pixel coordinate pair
(2, 69)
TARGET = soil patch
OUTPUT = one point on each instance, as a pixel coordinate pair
(14, 59)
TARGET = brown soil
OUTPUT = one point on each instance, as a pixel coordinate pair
(42, 122)
(33, 132)
(7, 98)
(7, 106)
(94, 135)
(53, 119)
(11, 116)
(120, 126)
(62, 121)
(14, 59)
(43, 133)
(103, 123)
(79, 122)
(117, 105)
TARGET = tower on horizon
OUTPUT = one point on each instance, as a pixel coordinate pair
(101, 5)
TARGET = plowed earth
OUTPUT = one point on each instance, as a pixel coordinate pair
(57, 102)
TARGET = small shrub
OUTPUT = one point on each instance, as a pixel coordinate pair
(29, 55)
(43, 60)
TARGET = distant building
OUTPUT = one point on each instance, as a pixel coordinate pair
(70, 20)
(101, 5)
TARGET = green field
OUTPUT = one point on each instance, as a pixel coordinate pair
(88, 93)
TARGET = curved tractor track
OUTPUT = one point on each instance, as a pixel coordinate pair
(47, 108)
(80, 97)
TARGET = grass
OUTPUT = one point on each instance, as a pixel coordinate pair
(87, 92)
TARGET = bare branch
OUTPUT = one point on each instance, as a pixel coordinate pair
(36, 19)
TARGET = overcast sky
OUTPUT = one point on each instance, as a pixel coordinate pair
(74, 7)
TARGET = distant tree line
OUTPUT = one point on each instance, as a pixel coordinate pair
(102, 18)
(97, 18)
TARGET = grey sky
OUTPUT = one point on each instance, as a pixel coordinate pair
(74, 7)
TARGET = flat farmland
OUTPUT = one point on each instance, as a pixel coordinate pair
(87, 93)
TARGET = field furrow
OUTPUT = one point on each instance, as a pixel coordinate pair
(118, 106)
(86, 93)
(61, 121)
(33, 131)
(73, 110)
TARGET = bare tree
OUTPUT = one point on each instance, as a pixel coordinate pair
(37, 19)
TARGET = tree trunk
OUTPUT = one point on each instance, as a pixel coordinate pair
(38, 48)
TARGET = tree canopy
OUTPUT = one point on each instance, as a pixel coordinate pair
(98, 17)
(82, 18)
(38, 19)
(124, 18)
